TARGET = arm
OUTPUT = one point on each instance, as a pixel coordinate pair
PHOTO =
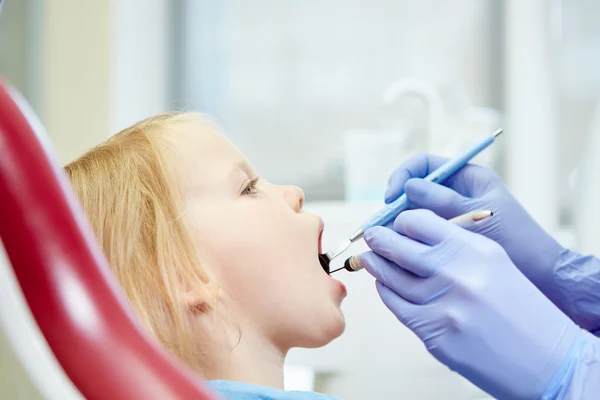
(574, 286)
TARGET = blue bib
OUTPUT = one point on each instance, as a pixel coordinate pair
(243, 391)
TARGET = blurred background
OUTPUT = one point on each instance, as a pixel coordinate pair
(331, 95)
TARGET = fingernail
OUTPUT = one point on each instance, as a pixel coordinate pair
(388, 197)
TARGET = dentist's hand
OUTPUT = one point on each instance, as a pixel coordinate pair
(473, 309)
(571, 281)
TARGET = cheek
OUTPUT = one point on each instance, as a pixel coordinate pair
(265, 261)
(247, 247)
(255, 230)
(261, 269)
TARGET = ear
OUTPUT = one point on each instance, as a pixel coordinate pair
(201, 300)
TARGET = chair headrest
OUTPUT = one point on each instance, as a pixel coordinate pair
(66, 279)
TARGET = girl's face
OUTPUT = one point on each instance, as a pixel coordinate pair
(260, 245)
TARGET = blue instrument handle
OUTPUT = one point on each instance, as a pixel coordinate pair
(390, 211)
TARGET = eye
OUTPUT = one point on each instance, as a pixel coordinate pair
(250, 188)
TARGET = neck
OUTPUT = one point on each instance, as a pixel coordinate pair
(252, 360)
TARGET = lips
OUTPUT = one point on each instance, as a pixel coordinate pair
(320, 239)
(341, 288)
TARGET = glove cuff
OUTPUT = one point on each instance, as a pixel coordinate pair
(575, 288)
(562, 378)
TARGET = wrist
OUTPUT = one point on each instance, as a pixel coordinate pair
(575, 288)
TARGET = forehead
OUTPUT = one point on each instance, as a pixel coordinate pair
(204, 156)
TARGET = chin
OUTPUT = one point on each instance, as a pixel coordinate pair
(327, 332)
(338, 328)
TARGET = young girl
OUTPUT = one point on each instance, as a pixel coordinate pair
(220, 264)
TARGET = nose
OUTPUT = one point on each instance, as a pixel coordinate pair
(294, 196)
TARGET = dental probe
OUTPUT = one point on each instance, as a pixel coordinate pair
(391, 210)
(465, 221)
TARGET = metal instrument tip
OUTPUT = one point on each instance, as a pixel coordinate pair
(497, 132)
(338, 250)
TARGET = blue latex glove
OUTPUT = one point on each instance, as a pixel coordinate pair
(570, 280)
(477, 313)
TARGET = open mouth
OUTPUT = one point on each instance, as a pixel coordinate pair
(323, 260)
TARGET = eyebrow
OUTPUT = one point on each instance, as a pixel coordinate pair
(237, 167)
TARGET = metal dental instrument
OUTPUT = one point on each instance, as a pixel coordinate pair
(386, 214)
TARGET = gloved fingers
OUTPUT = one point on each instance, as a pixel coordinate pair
(405, 311)
(444, 201)
(404, 283)
(418, 166)
(410, 287)
(400, 250)
(471, 181)
(425, 227)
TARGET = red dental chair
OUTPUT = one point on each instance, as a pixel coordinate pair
(66, 281)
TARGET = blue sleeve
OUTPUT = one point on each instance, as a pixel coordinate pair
(580, 376)
(576, 290)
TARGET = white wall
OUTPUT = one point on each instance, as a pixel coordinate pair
(104, 66)
(286, 79)
(141, 68)
(532, 108)
(13, 43)
(75, 74)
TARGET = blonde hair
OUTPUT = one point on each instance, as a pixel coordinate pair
(130, 193)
